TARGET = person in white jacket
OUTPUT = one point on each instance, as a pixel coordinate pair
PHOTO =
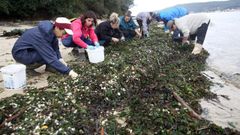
(192, 26)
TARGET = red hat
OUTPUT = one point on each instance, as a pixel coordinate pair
(64, 23)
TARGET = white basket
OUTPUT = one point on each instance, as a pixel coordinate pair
(96, 55)
(14, 76)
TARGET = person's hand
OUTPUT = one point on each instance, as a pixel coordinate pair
(63, 62)
(122, 38)
(167, 31)
(97, 44)
(185, 41)
(90, 47)
(139, 35)
(115, 40)
(73, 74)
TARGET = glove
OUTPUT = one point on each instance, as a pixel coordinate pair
(73, 74)
(122, 38)
(63, 62)
(197, 49)
(90, 47)
(97, 44)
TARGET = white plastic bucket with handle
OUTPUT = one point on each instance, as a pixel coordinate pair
(96, 55)
(14, 76)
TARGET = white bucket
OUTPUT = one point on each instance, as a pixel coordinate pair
(14, 76)
(96, 55)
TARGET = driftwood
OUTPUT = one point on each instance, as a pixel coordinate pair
(192, 112)
(102, 131)
(205, 127)
(12, 117)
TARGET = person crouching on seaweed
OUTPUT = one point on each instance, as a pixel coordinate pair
(169, 14)
(192, 26)
(39, 46)
(108, 31)
(128, 27)
(83, 33)
(144, 19)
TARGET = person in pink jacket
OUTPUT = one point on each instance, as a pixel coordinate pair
(83, 32)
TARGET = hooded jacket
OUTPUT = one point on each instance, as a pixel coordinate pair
(44, 42)
(171, 13)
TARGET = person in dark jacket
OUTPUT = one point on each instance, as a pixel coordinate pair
(39, 45)
(128, 27)
(108, 31)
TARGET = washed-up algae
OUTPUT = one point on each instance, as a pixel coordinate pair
(129, 93)
(14, 32)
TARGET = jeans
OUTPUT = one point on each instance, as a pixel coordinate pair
(28, 56)
(68, 41)
(140, 23)
(129, 34)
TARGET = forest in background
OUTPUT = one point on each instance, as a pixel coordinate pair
(45, 9)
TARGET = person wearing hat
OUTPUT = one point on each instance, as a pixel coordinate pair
(39, 46)
(128, 27)
(192, 26)
(83, 32)
(143, 20)
(169, 14)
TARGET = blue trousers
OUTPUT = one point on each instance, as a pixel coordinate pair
(28, 56)
(68, 41)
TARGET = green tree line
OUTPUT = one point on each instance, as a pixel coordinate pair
(33, 9)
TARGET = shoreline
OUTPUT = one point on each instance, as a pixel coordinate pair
(7, 57)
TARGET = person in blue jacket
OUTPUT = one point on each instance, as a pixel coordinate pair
(169, 14)
(39, 45)
(128, 27)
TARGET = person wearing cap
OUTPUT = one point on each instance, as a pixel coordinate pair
(83, 32)
(192, 26)
(169, 14)
(143, 20)
(128, 27)
(108, 31)
(39, 45)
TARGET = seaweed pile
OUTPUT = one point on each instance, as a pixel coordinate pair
(14, 32)
(131, 92)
